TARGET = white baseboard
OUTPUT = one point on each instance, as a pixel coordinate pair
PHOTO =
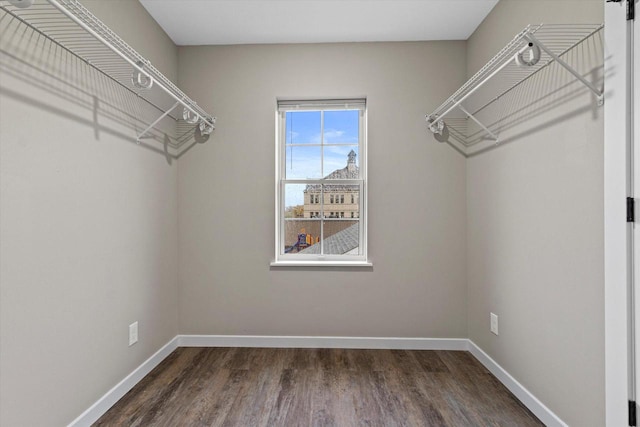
(96, 410)
(529, 400)
(103, 404)
(322, 342)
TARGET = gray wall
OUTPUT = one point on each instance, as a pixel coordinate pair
(535, 225)
(417, 211)
(88, 225)
(89, 220)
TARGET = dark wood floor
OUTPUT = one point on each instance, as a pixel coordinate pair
(318, 387)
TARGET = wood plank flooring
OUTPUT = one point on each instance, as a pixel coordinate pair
(318, 387)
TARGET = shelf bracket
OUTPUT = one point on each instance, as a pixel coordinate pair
(165, 114)
(599, 94)
(472, 117)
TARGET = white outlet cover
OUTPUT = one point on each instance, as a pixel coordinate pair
(133, 333)
(494, 323)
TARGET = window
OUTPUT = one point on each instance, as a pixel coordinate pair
(321, 156)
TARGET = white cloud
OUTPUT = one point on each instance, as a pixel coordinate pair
(332, 134)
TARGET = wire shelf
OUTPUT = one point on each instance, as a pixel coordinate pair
(74, 28)
(532, 50)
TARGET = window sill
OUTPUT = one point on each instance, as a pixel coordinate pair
(321, 264)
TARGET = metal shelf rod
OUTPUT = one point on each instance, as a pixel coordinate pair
(118, 52)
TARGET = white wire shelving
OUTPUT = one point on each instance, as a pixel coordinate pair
(74, 28)
(532, 50)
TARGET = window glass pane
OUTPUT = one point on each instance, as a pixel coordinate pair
(341, 126)
(340, 221)
(301, 236)
(342, 237)
(346, 200)
(301, 229)
(294, 200)
(303, 162)
(312, 196)
(341, 162)
(302, 127)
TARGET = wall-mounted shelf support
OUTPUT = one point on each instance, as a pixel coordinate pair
(472, 117)
(597, 92)
(148, 128)
(534, 48)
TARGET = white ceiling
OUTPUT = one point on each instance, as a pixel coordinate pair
(199, 22)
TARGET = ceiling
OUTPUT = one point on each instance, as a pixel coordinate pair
(221, 22)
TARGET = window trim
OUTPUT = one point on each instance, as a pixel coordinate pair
(314, 260)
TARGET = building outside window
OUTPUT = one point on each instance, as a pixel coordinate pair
(321, 150)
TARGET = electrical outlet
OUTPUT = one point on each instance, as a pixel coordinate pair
(133, 333)
(494, 323)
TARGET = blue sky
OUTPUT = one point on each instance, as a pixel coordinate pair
(303, 127)
(304, 160)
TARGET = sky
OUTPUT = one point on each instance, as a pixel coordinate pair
(303, 146)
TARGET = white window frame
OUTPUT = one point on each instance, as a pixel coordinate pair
(326, 260)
